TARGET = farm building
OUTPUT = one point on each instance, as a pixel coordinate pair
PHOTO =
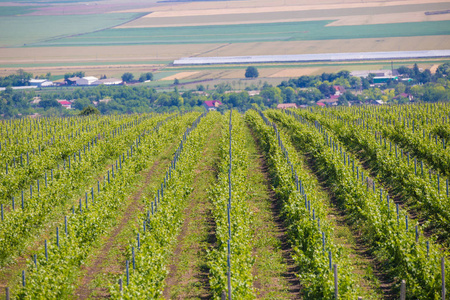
(72, 80)
(383, 79)
(40, 82)
(108, 81)
(286, 105)
(212, 105)
(64, 103)
(88, 80)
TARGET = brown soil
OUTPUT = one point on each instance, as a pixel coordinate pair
(290, 274)
(198, 217)
(97, 266)
(361, 249)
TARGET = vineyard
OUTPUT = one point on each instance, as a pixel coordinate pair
(317, 203)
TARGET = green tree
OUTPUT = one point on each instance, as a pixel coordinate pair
(400, 88)
(176, 81)
(89, 110)
(146, 76)
(127, 77)
(82, 103)
(49, 103)
(251, 72)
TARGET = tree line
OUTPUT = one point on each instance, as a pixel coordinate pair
(304, 90)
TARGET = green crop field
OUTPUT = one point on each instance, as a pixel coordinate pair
(292, 31)
(16, 10)
(17, 31)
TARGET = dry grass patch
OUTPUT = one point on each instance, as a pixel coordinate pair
(333, 46)
(247, 12)
(211, 7)
(295, 72)
(389, 19)
(181, 75)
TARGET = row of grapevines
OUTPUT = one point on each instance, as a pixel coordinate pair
(233, 217)
(54, 271)
(424, 143)
(62, 187)
(16, 178)
(305, 214)
(44, 136)
(405, 253)
(401, 172)
(157, 234)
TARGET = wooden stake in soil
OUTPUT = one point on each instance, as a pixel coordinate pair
(7, 293)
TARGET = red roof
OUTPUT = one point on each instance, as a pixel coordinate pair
(321, 104)
(212, 103)
(64, 102)
(339, 88)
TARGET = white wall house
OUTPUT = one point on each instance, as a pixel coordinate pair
(88, 80)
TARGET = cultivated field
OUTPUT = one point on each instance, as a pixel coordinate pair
(111, 37)
(242, 33)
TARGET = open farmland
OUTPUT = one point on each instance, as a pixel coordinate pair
(113, 37)
(23, 30)
(389, 13)
(261, 32)
(146, 206)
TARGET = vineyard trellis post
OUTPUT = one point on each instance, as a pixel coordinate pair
(443, 277)
(229, 220)
(336, 295)
(403, 290)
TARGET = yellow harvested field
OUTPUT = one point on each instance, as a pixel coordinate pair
(99, 54)
(181, 75)
(295, 72)
(389, 18)
(248, 12)
(258, 6)
(332, 46)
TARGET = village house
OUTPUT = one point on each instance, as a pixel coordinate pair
(286, 105)
(339, 90)
(212, 105)
(64, 103)
(333, 100)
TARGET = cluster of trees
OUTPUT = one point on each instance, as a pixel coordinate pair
(74, 74)
(21, 78)
(129, 77)
(303, 90)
